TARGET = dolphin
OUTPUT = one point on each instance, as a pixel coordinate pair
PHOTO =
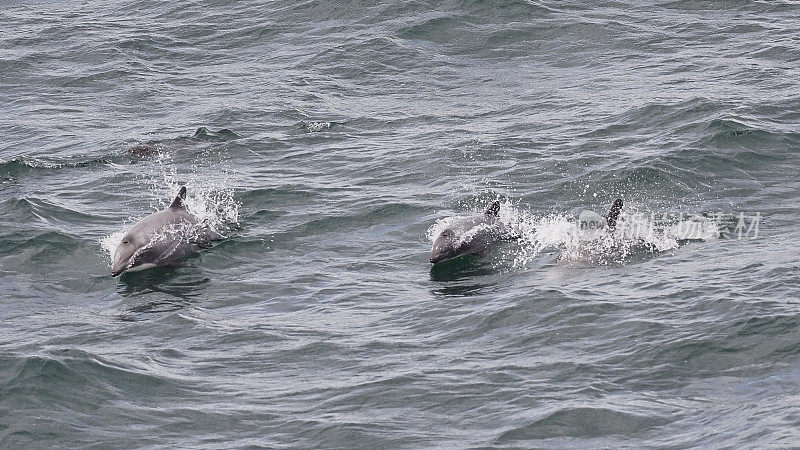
(162, 238)
(471, 235)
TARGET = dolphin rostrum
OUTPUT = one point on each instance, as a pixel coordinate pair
(471, 235)
(162, 238)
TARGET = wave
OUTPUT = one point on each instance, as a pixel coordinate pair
(747, 139)
(47, 212)
(35, 245)
(23, 165)
(63, 390)
(583, 422)
(81, 372)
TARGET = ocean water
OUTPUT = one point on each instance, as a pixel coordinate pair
(355, 130)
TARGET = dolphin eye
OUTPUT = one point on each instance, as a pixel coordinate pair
(125, 241)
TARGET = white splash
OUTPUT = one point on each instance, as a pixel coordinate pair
(575, 240)
(636, 233)
(314, 127)
(110, 243)
(440, 225)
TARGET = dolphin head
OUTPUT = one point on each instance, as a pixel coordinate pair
(446, 246)
(125, 255)
(157, 239)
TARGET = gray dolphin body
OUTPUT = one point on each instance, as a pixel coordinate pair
(162, 238)
(472, 235)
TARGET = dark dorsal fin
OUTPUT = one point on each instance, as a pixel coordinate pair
(493, 209)
(613, 213)
(178, 202)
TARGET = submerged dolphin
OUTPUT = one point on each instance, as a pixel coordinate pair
(471, 235)
(202, 134)
(162, 238)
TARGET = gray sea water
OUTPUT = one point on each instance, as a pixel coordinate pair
(356, 128)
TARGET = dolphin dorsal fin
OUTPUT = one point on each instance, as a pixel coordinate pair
(493, 209)
(178, 202)
(613, 213)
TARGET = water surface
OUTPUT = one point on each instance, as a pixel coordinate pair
(318, 321)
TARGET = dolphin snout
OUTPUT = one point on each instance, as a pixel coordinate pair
(442, 252)
(120, 265)
(118, 268)
(437, 255)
